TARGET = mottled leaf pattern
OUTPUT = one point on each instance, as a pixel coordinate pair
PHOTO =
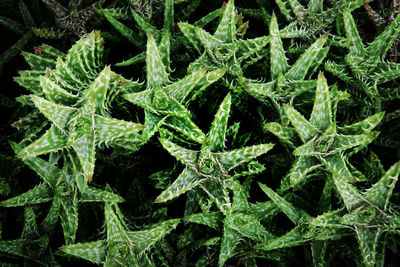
(76, 126)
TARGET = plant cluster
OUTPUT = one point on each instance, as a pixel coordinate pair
(189, 133)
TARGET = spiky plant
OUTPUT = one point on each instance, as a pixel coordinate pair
(317, 16)
(164, 191)
(318, 141)
(364, 69)
(163, 101)
(121, 246)
(76, 102)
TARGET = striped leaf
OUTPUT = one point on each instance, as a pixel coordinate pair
(39, 194)
(216, 135)
(91, 251)
(278, 59)
(186, 181)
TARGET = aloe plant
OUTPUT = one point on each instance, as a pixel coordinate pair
(368, 214)
(163, 101)
(364, 68)
(317, 16)
(209, 167)
(172, 169)
(322, 142)
(87, 124)
(121, 246)
(286, 81)
(223, 49)
(59, 188)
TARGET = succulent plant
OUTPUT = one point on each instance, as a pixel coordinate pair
(173, 169)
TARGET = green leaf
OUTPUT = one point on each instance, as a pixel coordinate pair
(155, 68)
(226, 30)
(296, 237)
(169, 16)
(186, 181)
(247, 225)
(365, 125)
(55, 92)
(52, 141)
(48, 172)
(234, 158)
(186, 127)
(59, 115)
(145, 26)
(97, 195)
(211, 219)
(321, 116)
(384, 41)
(124, 30)
(186, 156)
(92, 251)
(69, 217)
(39, 194)
(381, 191)
(109, 130)
(37, 62)
(368, 242)
(299, 171)
(303, 127)
(278, 58)
(182, 88)
(286, 135)
(357, 47)
(229, 242)
(216, 135)
(300, 68)
(295, 215)
(144, 239)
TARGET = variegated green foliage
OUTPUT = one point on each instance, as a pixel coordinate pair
(163, 100)
(317, 16)
(210, 167)
(303, 232)
(77, 117)
(169, 42)
(225, 48)
(58, 187)
(32, 245)
(76, 103)
(242, 221)
(368, 214)
(287, 81)
(121, 247)
(364, 68)
(321, 142)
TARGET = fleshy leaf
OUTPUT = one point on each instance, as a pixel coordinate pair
(156, 71)
(300, 68)
(286, 207)
(211, 219)
(187, 180)
(381, 191)
(51, 141)
(278, 58)
(144, 239)
(321, 116)
(39, 194)
(304, 128)
(59, 115)
(91, 251)
(234, 158)
(216, 135)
